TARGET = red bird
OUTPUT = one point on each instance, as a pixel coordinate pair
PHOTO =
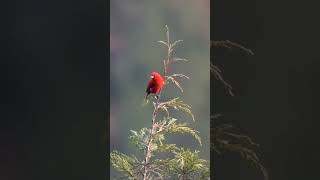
(155, 84)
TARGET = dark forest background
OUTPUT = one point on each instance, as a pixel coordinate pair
(277, 92)
(54, 87)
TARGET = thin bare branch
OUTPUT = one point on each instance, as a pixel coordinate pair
(229, 44)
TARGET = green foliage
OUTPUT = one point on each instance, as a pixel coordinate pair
(178, 105)
(138, 138)
(170, 125)
(178, 163)
(188, 165)
(223, 136)
(124, 164)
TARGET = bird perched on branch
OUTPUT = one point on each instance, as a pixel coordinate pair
(155, 84)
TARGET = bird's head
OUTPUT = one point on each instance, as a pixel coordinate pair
(155, 75)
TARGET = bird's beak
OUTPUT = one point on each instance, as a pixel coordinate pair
(151, 77)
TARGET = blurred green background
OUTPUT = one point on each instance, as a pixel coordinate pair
(135, 28)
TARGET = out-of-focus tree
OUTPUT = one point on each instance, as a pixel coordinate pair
(224, 136)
